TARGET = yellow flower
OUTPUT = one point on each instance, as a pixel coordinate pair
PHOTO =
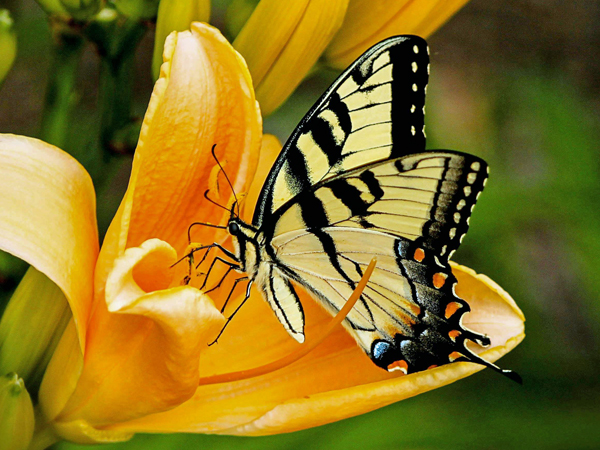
(135, 353)
(370, 21)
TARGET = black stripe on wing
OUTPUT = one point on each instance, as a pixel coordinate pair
(374, 111)
(426, 198)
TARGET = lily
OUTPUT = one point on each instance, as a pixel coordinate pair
(135, 357)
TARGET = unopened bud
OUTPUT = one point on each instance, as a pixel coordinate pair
(31, 326)
(16, 413)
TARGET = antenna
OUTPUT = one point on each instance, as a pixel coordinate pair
(204, 224)
(212, 201)
(237, 204)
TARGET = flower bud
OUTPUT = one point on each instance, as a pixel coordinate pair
(16, 413)
(176, 15)
(8, 43)
(31, 326)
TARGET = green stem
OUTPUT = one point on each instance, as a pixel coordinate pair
(117, 76)
(60, 93)
(115, 99)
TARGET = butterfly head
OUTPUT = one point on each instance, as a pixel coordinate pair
(245, 243)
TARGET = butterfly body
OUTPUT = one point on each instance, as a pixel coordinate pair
(354, 181)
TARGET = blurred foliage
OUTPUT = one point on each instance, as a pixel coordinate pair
(504, 89)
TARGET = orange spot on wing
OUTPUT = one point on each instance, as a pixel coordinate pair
(451, 309)
(454, 356)
(433, 366)
(454, 334)
(419, 254)
(398, 365)
(439, 279)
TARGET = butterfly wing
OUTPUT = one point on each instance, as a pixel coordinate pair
(410, 212)
(373, 112)
(352, 182)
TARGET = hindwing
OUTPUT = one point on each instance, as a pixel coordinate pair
(410, 212)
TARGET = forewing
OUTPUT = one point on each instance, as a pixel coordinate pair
(373, 112)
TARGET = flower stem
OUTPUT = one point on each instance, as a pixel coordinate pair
(117, 77)
(60, 92)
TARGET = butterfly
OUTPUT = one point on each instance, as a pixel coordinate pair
(352, 182)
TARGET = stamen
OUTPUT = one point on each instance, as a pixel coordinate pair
(304, 349)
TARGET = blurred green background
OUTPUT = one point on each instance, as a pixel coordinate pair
(514, 82)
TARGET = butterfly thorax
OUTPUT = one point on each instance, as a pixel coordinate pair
(246, 243)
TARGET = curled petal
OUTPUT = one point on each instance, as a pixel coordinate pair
(335, 381)
(371, 21)
(143, 350)
(282, 41)
(204, 98)
(48, 217)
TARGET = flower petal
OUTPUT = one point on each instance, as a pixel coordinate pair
(371, 21)
(204, 98)
(282, 41)
(333, 382)
(48, 217)
(143, 353)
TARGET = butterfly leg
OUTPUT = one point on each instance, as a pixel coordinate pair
(246, 297)
(231, 266)
(191, 249)
(235, 283)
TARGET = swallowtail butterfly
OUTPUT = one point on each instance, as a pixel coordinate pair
(352, 182)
